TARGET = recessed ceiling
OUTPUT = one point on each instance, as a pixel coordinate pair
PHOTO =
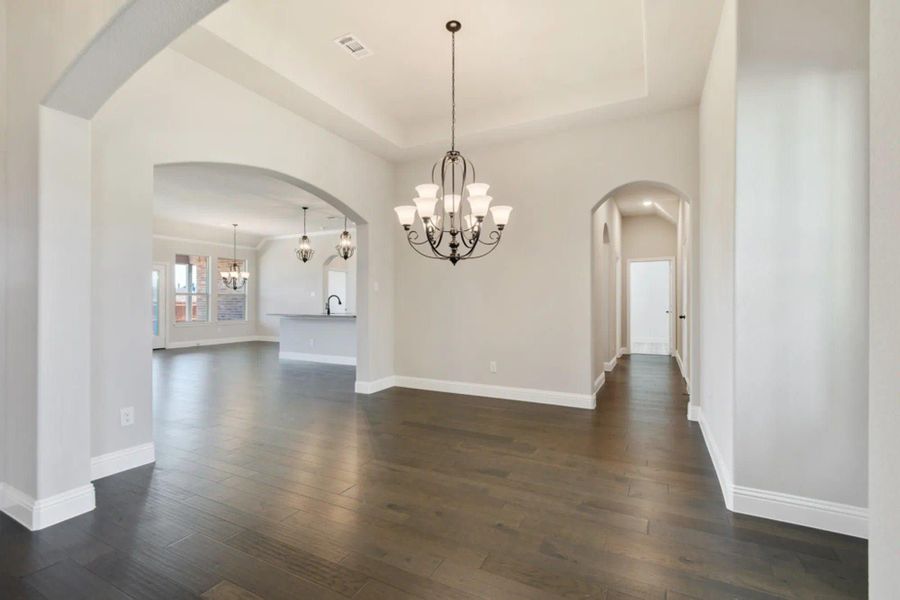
(647, 199)
(520, 64)
(219, 195)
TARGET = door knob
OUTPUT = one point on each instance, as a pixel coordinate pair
(682, 316)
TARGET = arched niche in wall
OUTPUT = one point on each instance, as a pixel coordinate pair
(339, 279)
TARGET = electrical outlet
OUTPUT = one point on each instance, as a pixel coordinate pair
(493, 366)
(126, 416)
(312, 342)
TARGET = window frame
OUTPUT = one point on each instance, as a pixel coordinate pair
(191, 295)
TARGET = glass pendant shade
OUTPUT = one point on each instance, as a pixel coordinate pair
(477, 189)
(427, 190)
(501, 215)
(451, 203)
(479, 205)
(425, 207)
(305, 252)
(406, 215)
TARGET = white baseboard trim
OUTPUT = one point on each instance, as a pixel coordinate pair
(220, 341)
(372, 387)
(799, 510)
(38, 514)
(570, 399)
(331, 359)
(610, 364)
(598, 383)
(623, 351)
(680, 364)
(723, 473)
(693, 412)
(122, 460)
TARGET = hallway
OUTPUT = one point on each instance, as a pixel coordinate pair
(275, 479)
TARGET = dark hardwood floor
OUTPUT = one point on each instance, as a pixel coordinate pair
(274, 480)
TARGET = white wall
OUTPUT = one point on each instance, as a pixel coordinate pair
(884, 299)
(642, 237)
(287, 285)
(4, 452)
(801, 250)
(484, 310)
(180, 334)
(604, 257)
(174, 110)
(713, 371)
(41, 38)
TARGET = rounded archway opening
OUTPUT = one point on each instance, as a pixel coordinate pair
(195, 205)
(634, 222)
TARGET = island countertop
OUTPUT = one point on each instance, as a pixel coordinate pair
(312, 316)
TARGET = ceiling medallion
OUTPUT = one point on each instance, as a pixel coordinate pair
(305, 251)
(457, 232)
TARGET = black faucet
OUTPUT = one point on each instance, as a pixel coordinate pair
(328, 303)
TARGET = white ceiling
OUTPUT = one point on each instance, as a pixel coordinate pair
(632, 201)
(215, 196)
(522, 65)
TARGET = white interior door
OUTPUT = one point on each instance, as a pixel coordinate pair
(649, 307)
(158, 305)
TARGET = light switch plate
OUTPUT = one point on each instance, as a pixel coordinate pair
(126, 416)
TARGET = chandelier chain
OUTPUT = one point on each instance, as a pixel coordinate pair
(453, 90)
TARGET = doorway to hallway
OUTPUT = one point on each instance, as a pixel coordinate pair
(650, 305)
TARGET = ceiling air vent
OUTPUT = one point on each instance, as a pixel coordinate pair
(353, 45)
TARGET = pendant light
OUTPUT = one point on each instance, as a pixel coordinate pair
(305, 251)
(345, 247)
(235, 278)
(454, 227)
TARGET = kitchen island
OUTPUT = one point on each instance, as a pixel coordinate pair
(317, 337)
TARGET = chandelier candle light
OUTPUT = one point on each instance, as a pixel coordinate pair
(305, 251)
(345, 247)
(456, 232)
(235, 278)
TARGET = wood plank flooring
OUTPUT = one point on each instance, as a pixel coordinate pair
(274, 480)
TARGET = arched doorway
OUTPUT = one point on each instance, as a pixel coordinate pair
(610, 262)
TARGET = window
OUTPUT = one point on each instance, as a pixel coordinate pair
(191, 288)
(231, 305)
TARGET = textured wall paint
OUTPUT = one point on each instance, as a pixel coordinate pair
(484, 310)
(884, 298)
(716, 241)
(42, 38)
(801, 255)
(174, 110)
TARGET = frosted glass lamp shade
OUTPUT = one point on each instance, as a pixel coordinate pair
(224, 274)
(451, 203)
(427, 190)
(425, 207)
(477, 189)
(245, 274)
(501, 215)
(479, 205)
(406, 215)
